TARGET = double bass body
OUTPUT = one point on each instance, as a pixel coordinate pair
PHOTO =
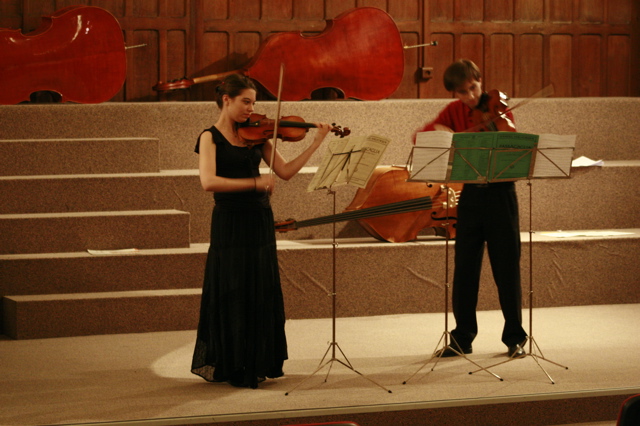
(78, 52)
(389, 185)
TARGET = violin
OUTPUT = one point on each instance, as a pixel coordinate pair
(360, 54)
(492, 116)
(78, 52)
(258, 129)
(392, 209)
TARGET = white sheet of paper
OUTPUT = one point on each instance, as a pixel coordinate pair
(586, 162)
(554, 155)
(562, 234)
(431, 156)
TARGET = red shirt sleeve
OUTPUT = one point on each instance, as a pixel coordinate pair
(457, 116)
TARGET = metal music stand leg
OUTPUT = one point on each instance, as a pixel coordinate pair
(534, 350)
(446, 335)
(334, 344)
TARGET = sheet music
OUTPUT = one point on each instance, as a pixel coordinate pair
(555, 153)
(349, 161)
(365, 159)
(431, 156)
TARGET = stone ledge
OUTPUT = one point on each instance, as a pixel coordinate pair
(372, 278)
(79, 231)
(178, 124)
(29, 157)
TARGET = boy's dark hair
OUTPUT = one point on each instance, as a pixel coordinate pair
(232, 85)
(459, 73)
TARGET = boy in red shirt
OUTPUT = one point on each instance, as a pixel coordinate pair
(487, 213)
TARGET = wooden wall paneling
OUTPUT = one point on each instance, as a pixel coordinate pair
(308, 10)
(621, 12)
(277, 10)
(471, 46)
(142, 72)
(412, 72)
(146, 8)
(11, 15)
(440, 11)
(333, 8)
(529, 11)
(585, 47)
(175, 45)
(618, 65)
(439, 58)
(560, 64)
(407, 10)
(560, 11)
(469, 10)
(408, 18)
(499, 10)
(499, 64)
(588, 60)
(591, 11)
(530, 65)
(216, 54)
(244, 10)
(380, 4)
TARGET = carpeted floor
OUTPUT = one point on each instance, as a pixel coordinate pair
(145, 377)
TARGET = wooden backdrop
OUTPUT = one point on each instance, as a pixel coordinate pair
(583, 47)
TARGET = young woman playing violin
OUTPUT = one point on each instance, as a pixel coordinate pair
(487, 213)
(241, 337)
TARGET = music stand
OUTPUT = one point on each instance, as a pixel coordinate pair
(509, 157)
(553, 157)
(469, 158)
(348, 161)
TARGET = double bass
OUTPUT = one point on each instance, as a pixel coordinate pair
(391, 209)
(78, 52)
(359, 53)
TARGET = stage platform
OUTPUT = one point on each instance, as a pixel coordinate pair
(144, 379)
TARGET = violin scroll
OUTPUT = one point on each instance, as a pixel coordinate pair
(339, 131)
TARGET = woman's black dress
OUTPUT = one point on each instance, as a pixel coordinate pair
(241, 337)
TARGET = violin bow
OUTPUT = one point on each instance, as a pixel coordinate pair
(545, 92)
(277, 120)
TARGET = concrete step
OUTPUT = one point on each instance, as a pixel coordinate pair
(83, 272)
(372, 278)
(82, 314)
(69, 232)
(171, 189)
(178, 124)
(25, 157)
(593, 198)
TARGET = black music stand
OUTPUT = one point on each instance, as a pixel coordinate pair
(342, 166)
(483, 158)
(552, 160)
(472, 158)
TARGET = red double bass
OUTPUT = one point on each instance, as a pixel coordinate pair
(392, 209)
(78, 52)
(359, 53)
